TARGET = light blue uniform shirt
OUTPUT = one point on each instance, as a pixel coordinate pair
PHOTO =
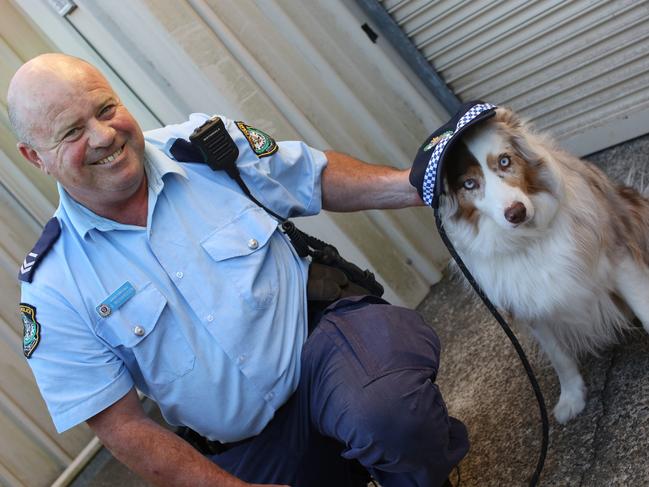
(215, 329)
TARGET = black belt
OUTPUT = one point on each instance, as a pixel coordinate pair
(205, 446)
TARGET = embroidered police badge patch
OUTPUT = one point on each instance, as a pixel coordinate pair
(261, 143)
(31, 329)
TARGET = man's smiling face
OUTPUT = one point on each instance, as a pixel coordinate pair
(83, 136)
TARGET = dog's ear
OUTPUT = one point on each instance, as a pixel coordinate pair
(519, 134)
(507, 117)
(523, 145)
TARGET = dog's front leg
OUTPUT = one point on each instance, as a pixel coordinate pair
(573, 391)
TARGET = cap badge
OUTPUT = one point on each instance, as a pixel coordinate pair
(435, 140)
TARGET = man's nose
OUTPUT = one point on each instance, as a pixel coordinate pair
(100, 134)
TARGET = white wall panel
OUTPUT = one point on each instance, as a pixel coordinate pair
(32, 454)
(300, 71)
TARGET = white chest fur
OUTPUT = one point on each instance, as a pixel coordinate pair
(547, 276)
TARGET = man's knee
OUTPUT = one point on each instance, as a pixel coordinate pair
(370, 373)
(406, 419)
(381, 338)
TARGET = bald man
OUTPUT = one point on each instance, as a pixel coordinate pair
(161, 274)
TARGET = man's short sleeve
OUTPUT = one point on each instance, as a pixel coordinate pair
(78, 375)
(284, 176)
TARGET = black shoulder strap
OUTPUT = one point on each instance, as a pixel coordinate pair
(212, 144)
(50, 234)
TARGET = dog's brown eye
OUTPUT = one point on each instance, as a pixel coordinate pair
(504, 161)
(470, 184)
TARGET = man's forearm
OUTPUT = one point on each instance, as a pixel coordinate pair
(349, 185)
(162, 458)
(154, 453)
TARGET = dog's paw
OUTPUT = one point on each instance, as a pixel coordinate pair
(570, 404)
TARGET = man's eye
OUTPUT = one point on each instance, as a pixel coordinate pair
(107, 111)
(470, 184)
(72, 134)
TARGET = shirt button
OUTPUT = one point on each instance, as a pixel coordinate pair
(179, 275)
(269, 396)
(209, 318)
(253, 244)
(241, 359)
(138, 330)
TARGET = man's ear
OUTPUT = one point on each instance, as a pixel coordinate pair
(29, 153)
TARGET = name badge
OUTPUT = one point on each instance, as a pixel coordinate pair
(116, 300)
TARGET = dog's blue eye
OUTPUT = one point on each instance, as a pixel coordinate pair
(470, 184)
(504, 161)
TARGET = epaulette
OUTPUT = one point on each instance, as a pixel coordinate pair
(50, 235)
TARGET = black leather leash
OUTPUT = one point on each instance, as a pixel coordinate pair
(545, 425)
(426, 175)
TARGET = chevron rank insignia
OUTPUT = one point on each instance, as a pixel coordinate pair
(50, 234)
(31, 329)
(260, 142)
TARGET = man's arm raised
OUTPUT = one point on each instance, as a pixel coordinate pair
(154, 453)
(350, 185)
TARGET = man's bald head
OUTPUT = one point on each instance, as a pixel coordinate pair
(27, 97)
(72, 125)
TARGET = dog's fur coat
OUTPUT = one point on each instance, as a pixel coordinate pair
(550, 240)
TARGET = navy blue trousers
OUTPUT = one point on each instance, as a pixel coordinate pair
(367, 395)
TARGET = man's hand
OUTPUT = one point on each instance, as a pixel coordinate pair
(154, 453)
(350, 185)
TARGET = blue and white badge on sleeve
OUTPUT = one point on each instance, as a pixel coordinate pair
(116, 300)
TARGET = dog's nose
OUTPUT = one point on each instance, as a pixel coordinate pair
(515, 213)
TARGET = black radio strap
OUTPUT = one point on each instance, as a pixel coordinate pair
(212, 144)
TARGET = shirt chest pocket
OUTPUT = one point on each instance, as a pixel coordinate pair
(242, 253)
(139, 332)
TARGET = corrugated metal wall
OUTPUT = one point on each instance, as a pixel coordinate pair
(31, 453)
(577, 68)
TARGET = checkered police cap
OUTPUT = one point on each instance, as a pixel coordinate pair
(426, 172)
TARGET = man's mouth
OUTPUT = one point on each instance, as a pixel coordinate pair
(110, 158)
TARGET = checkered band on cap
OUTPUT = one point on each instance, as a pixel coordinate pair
(428, 187)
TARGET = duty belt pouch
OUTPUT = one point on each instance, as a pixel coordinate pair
(326, 285)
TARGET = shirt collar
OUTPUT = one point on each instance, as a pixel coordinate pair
(156, 165)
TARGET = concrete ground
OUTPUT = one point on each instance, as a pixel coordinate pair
(485, 385)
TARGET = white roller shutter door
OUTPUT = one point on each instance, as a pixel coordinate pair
(577, 68)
